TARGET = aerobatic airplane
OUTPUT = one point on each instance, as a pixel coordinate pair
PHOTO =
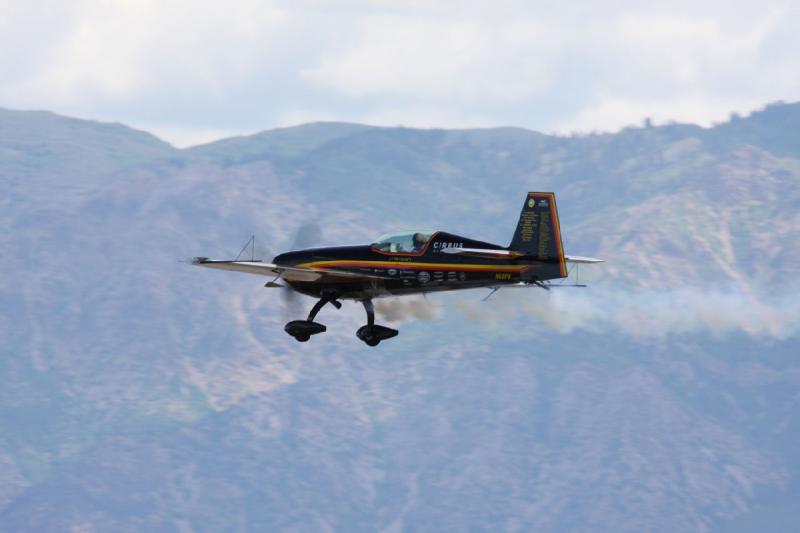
(416, 262)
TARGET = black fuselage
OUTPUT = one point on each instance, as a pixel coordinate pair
(429, 269)
(414, 262)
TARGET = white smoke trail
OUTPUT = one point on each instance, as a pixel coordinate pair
(404, 309)
(646, 313)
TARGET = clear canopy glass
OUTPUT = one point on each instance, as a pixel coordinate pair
(404, 242)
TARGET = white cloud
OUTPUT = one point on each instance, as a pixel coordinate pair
(119, 50)
(256, 64)
(451, 59)
(696, 70)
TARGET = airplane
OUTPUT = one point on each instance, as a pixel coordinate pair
(416, 262)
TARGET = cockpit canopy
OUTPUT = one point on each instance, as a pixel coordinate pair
(404, 242)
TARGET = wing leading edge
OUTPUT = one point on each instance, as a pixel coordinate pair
(286, 272)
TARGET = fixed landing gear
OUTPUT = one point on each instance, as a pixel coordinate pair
(371, 333)
(302, 330)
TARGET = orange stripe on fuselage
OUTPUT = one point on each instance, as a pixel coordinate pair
(401, 265)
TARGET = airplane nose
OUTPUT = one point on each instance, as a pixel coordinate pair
(285, 259)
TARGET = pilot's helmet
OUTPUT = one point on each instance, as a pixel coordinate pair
(419, 239)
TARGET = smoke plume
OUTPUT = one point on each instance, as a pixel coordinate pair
(645, 313)
(404, 309)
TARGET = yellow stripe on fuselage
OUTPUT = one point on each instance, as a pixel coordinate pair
(410, 265)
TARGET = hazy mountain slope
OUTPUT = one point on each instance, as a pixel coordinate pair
(773, 129)
(40, 143)
(689, 190)
(278, 143)
(144, 394)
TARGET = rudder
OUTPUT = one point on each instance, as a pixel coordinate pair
(538, 235)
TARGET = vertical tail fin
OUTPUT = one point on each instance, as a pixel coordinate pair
(538, 235)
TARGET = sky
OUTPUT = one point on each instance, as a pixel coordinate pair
(195, 71)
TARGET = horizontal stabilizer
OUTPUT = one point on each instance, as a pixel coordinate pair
(582, 260)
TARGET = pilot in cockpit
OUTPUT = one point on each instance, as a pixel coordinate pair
(419, 241)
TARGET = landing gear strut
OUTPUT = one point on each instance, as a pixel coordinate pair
(302, 330)
(373, 334)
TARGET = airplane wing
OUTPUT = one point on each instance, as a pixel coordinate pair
(285, 272)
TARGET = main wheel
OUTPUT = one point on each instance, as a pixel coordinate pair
(372, 341)
(302, 338)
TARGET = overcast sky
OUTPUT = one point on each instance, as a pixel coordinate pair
(195, 70)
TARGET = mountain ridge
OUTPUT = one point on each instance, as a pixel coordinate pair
(783, 115)
(143, 393)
